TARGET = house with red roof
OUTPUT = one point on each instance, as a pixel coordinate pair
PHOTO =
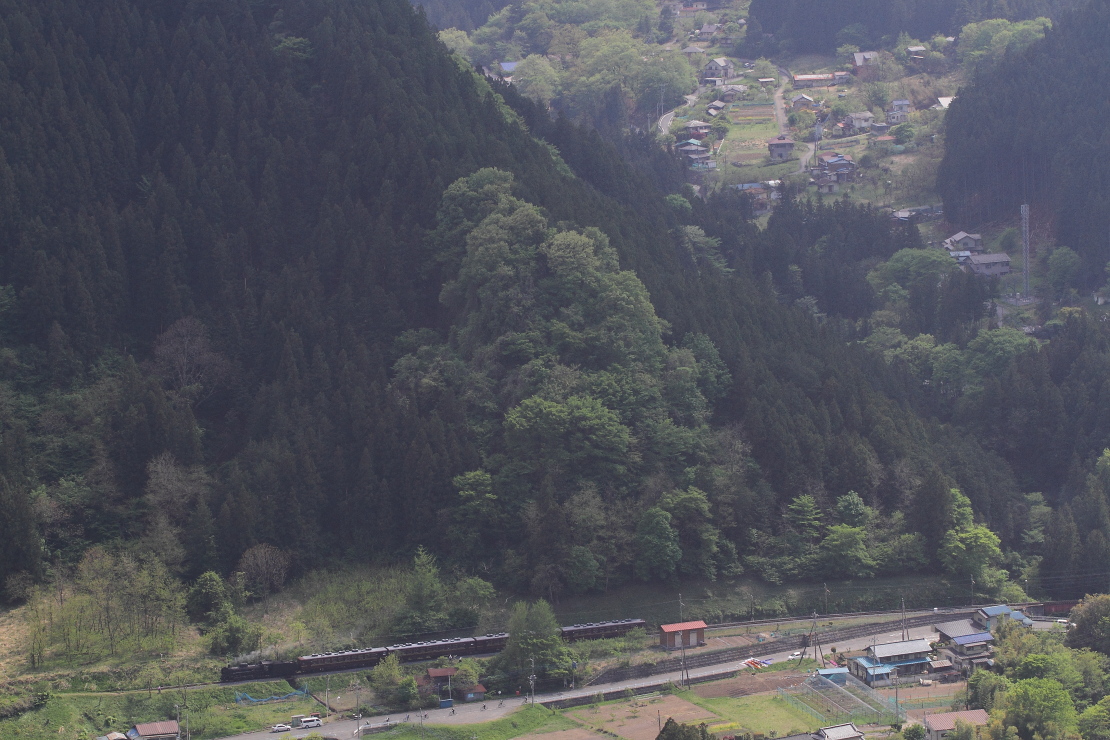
(682, 634)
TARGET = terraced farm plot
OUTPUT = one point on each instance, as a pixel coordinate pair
(751, 114)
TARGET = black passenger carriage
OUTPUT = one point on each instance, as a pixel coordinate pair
(412, 651)
(365, 658)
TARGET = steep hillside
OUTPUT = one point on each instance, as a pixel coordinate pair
(1008, 143)
(800, 25)
(289, 273)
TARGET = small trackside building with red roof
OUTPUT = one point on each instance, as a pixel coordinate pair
(681, 634)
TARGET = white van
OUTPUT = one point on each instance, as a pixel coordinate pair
(311, 722)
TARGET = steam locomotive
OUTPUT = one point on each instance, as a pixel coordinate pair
(411, 651)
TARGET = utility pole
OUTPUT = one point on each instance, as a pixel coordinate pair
(1025, 246)
(682, 676)
(826, 586)
(327, 700)
(532, 680)
(680, 605)
(905, 634)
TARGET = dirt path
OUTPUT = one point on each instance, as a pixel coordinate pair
(780, 102)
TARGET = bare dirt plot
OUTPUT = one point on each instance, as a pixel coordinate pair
(640, 720)
(747, 684)
(578, 733)
(730, 640)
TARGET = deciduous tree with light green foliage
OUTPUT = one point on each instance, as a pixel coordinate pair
(1039, 708)
(536, 78)
(657, 548)
(805, 517)
(845, 552)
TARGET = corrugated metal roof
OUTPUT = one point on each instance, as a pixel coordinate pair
(974, 638)
(840, 732)
(683, 626)
(947, 721)
(907, 647)
(157, 729)
(995, 611)
(958, 628)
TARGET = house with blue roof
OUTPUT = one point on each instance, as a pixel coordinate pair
(884, 663)
(974, 645)
(989, 617)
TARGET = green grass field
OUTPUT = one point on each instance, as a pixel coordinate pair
(527, 720)
(212, 712)
(759, 713)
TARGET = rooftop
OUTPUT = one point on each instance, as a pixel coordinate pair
(442, 672)
(840, 732)
(947, 720)
(905, 647)
(989, 259)
(154, 729)
(957, 629)
(973, 638)
(683, 626)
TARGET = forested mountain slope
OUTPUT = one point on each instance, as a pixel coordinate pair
(1032, 130)
(800, 25)
(289, 273)
(465, 15)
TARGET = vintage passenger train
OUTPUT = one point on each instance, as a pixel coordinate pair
(411, 651)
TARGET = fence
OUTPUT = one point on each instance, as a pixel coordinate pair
(832, 703)
(243, 698)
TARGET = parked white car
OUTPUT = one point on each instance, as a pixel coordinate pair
(280, 728)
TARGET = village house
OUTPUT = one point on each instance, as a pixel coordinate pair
(858, 122)
(861, 59)
(916, 51)
(708, 31)
(899, 112)
(836, 166)
(682, 634)
(780, 148)
(477, 692)
(801, 102)
(720, 67)
(937, 726)
(989, 617)
(729, 93)
(884, 663)
(692, 52)
(963, 241)
(802, 82)
(988, 265)
(697, 129)
(975, 645)
(827, 185)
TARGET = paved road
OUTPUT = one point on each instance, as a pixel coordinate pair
(473, 713)
(665, 120)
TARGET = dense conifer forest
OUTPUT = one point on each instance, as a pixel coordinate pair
(800, 25)
(1007, 143)
(289, 273)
